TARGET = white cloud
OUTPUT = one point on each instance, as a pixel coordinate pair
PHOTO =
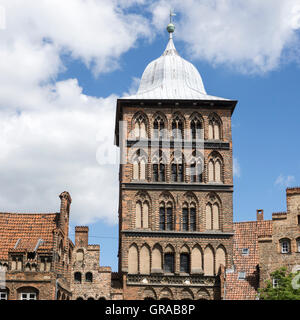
(285, 181)
(50, 131)
(250, 36)
(236, 168)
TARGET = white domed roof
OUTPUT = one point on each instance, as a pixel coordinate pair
(171, 77)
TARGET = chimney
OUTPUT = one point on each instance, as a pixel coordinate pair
(65, 203)
(81, 236)
(260, 215)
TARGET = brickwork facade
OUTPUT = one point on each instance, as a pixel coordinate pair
(89, 280)
(35, 254)
(143, 244)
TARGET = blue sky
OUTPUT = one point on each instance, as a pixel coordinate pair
(60, 76)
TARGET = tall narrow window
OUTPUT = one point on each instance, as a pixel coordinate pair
(174, 172)
(155, 172)
(169, 263)
(196, 129)
(177, 128)
(162, 217)
(162, 173)
(169, 218)
(140, 127)
(193, 218)
(185, 221)
(185, 262)
(214, 129)
(159, 127)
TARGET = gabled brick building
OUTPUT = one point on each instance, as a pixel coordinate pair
(35, 254)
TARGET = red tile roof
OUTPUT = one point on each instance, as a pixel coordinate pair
(29, 228)
(246, 236)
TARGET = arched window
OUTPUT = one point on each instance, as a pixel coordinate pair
(169, 261)
(142, 215)
(214, 128)
(196, 128)
(196, 167)
(89, 277)
(285, 246)
(298, 245)
(139, 164)
(177, 168)
(140, 127)
(60, 251)
(159, 127)
(185, 262)
(189, 217)
(177, 127)
(77, 277)
(166, 216)
(159, 168)
(215, 168)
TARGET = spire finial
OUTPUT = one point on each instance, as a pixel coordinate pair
(171, 27)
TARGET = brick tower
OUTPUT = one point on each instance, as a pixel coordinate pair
(176, 184)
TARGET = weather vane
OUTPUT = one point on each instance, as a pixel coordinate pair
(172, 14)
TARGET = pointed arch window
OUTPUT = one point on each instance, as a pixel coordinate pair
(196, 168)
(140, 127)
(189, 217)
(196, 128)
(140, 165)
(177, 168)
(215, 169)
(166, 216)
(214, 129)
(159, 127)
(185, 263)
(159, 168)
(177, 128)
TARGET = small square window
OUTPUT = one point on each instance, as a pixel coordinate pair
(245, 251)
(242, 275)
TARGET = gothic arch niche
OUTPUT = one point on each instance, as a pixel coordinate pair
(196, 126)
(215, 168)
(213, 212)
(139, 161)
(160, 125)
(202, 294)
(186, 294)
(133, 259)
(215, 127)
(189, 216)
(166, 294)
(140, 125)
(185, 259)
(156, 259)
(196, 166)
(142, 210)
(197, 258)
(209, 261)
(178, 126)
(220, 258)
(167, 209)
(149, 294)
(145, 259)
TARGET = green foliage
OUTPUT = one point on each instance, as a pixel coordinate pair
(284, 289)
